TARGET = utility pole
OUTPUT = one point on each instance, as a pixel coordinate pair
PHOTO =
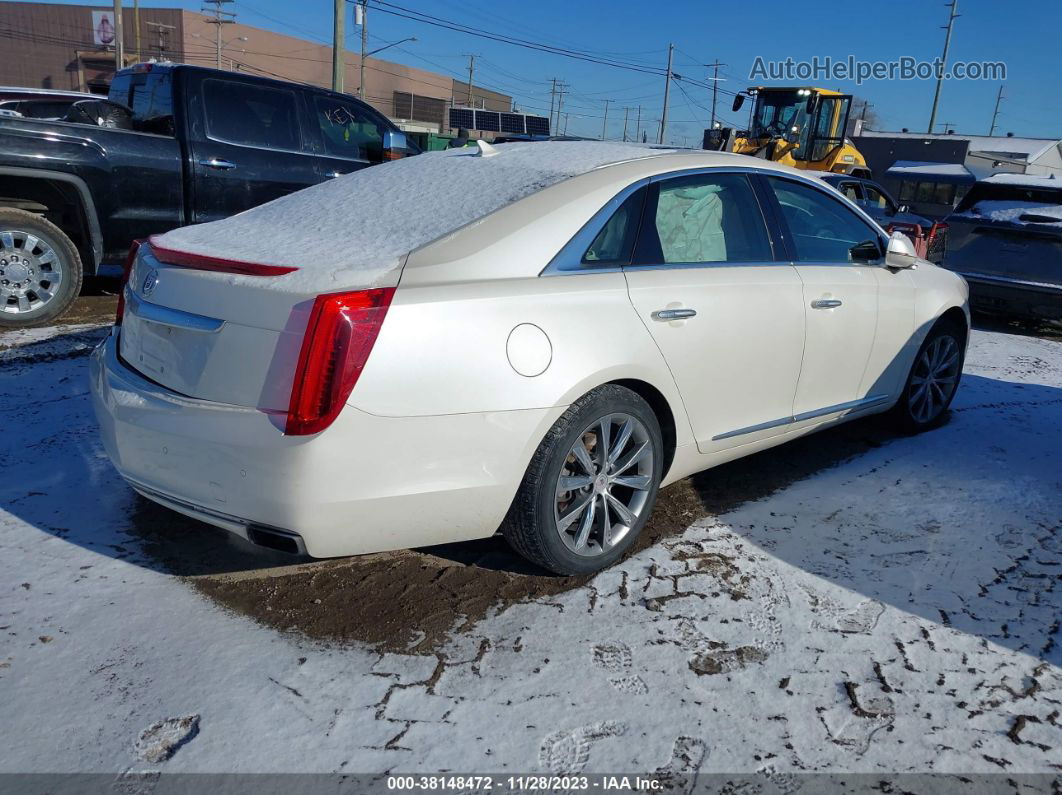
(626, 113)
(667, 94)
(715, 87)
(560, 101)
(944, 63)
(604, 124)
(638, 126)
(362, 11)
(471, 70)
(565, 124)
(220, 18)
(119, 41)
(136, 23)
(338, 35)
(995, 113)
(161, 30)
(552, 99)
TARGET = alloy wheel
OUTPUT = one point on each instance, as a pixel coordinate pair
(934, 379)
(604, 484)
(30, 272)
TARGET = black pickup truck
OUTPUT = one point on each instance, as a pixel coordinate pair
(171, 145)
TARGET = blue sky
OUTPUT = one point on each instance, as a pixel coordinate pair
(1024, 35)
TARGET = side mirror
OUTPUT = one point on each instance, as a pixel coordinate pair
(903, 208)
(739, 100)
(901, 252)
(394, 145)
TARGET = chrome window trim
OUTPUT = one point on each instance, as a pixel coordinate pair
(850, 405)
(568, 261)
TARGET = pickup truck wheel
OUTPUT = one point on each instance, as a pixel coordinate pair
(40, 270)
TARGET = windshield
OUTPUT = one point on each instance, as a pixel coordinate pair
(777, 112)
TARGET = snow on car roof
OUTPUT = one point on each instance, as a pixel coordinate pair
(369, 220)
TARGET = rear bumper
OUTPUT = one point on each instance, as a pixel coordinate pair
(1002, 294)
(366, 484)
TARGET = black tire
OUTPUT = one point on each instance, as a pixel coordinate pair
(531, 526)
(908, 414)
(24, 275)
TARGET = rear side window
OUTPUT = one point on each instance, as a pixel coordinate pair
(348, 130)
(850, 190)
(823, 229)
(249, 115)
(876, 198)
(703, 218)
(151, 98)
(614, 244)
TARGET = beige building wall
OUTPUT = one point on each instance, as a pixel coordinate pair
(51, 46)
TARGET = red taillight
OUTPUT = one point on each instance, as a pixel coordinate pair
(339, 337)
(130, 258)
(184, 259)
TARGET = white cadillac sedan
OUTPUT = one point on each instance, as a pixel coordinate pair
(533, 338)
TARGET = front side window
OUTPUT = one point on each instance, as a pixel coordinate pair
(908, 190)
(250, 115)
(348, 131)
(703, 218)
(823, 229)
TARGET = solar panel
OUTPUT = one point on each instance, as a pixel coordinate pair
(462, 117)
(488, 120)
(537, 125)
(512, 123)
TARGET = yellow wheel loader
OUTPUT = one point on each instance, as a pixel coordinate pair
(801, 127)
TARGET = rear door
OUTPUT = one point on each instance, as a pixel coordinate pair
(725, 312)
(835, 252)
(347, 136)
(247, 146)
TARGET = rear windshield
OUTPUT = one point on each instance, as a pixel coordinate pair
(1002, 192)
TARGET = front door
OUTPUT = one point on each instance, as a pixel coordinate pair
(726, 314)
(250, 148)
(836, 254)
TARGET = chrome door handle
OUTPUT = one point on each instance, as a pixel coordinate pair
(825, 303)
(217, 162)
(673, 314)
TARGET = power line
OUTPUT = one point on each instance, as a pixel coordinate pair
(428, 19)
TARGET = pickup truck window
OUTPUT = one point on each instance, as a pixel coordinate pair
(348, 131)
(249, 115)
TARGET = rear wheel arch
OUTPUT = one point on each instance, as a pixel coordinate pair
(62, 199)
(664, 415)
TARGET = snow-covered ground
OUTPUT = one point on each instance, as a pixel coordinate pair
(896, 612)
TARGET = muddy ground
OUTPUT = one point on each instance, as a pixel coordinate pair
(411, 600)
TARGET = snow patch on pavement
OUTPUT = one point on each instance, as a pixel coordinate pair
(897, 612)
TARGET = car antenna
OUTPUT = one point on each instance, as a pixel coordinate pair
(485, 150)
